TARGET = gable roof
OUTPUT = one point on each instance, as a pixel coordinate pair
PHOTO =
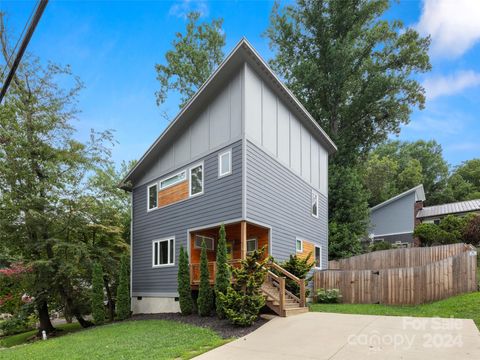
(451, 208)
(419, 196)
(243, 52)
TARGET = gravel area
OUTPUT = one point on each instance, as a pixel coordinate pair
(222, 327)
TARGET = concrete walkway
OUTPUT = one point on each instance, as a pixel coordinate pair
(340, 336)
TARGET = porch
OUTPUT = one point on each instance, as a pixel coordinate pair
(242, 238)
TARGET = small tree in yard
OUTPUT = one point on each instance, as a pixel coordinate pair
(300, 268)
(205, 293)
(472, 230)
(123, 291)
(184, 291)
(243, 300)
(98, 309)
(223, 276)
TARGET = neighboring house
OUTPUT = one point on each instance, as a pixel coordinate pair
(394, 220)
(433, 214)
(243, 152)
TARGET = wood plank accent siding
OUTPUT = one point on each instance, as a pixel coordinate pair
(308, 248)
(173, 194)
(438, 277)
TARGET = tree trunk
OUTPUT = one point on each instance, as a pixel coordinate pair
(44, 318)
(111, 302)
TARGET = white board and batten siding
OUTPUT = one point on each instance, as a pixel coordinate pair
(218, 125)
(270, 125)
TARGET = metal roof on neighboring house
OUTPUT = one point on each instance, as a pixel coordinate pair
(452, 208)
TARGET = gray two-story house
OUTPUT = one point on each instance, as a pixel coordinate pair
(243, 152)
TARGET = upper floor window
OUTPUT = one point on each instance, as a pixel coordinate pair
(315, 201)
(225, 163)
(163, 252)
(172, 180)
(299, 245)
(209, 242)
(196, 180)
(152, 196)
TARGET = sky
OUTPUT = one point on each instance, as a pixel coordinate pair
(113, 47)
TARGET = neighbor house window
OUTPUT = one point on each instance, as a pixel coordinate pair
(163, 252)
(314, 204)
(318, 257)
(252, 245)
(299, 245)
(225, 163)
(172, 180)
(152, 197)
(209, 242)
(196, 180)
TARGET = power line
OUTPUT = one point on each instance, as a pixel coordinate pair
(23, 47)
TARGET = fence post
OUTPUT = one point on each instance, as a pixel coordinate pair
(281, 294)
(302, 293)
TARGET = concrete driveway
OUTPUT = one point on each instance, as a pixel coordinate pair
(340, 336)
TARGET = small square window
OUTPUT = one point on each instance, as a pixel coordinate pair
(252, 245)
(315, 204)
(299, 245)
(152, 197)
(225, 163)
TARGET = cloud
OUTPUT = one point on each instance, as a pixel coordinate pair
(451, 84)
(453, 24)
(182, 8)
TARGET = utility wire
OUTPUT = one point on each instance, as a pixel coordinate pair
(23, 47)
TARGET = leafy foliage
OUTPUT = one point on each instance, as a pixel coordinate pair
(300, 267)
(223, 276)
(328, 296)
(380, 245)
(431, 234)
(194, 56)
(123, 291)
(98, 309)
(184, 290)
(472, 230)
(205, 292)
(243, 300)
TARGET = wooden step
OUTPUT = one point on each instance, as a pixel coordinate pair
(295, 311)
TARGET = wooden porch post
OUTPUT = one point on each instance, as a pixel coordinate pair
(243, 240)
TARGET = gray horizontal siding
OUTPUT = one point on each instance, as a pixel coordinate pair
(281, 199)
(404, 238)
(396, 217)
(221, 201)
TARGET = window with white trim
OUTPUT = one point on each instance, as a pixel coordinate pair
(225, 163)
(163, 252)
(152, 194)
(318, 257)
(252, 245)
(299, 245)
(209, 242)
(315, 200)
(172, 180)
(196, 180)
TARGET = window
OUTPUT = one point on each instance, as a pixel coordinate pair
(163, 252)
(299, 245)
(209, 242)
(196, 180)
(314, 204)
(318, 257)
(152, 197)
(172, 180)
(252, 245)
(225, 163)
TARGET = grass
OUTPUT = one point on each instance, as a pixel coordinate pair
(147, 339)
(466, 306)
(18, 339)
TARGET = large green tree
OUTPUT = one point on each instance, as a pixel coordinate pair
(194, 56)
(353, 71)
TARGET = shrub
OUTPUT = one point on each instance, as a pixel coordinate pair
(455, 225)
(244, 299)
(23, 320)
(184, 291)
(205, 293)
(98, 309)
(431, 234)
(380, 245)
(123, 291)
(223, 276)
(471, 232)
(328, 296)
(300, 268)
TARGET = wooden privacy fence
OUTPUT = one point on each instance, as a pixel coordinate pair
(437, 273)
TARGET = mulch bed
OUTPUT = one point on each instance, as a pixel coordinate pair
(222, 327)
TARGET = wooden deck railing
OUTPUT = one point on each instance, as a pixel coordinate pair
(212, 270)
(300, 282)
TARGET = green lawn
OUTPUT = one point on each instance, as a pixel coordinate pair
(466, 306)
(148, 339)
